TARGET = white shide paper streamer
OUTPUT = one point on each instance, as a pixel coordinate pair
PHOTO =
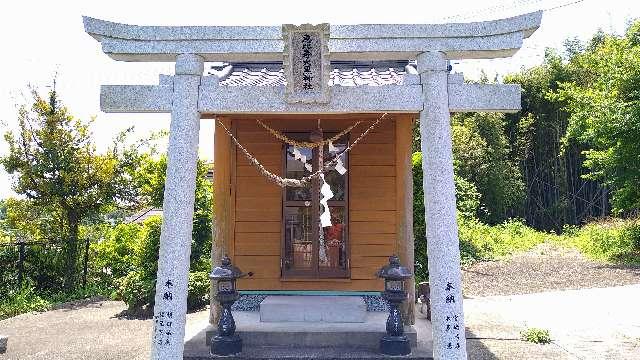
(325, 217)
(325, 190)
(339, 164)
(302, 158)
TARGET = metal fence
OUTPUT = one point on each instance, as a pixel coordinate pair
(37, 261)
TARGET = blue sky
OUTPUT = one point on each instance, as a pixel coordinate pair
(41, 38)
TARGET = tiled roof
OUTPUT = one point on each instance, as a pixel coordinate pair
(343, 74)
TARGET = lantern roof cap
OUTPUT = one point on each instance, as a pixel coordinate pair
(394, 270)
(226, 271)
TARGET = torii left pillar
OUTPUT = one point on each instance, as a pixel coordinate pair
(170, 311)
(443, 247)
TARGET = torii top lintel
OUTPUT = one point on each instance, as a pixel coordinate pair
(474, 40)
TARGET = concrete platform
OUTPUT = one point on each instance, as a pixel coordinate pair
(331, 309)
(312, 334)
(307, 340)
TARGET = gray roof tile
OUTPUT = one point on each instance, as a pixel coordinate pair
(343, 74)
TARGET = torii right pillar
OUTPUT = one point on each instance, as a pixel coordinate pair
(443, 248)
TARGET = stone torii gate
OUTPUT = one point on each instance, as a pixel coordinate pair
(432, 92)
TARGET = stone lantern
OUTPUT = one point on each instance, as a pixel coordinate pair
(395, 342)
(226, 342)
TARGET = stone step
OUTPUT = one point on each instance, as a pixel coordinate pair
(306, 340)
(312, 334)
(335, 338)
(338, 309)
(321, 353)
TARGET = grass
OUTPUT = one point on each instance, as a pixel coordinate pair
(610, 240)
(479, 241)
(27, 299)
(22, 301)
(536, 336)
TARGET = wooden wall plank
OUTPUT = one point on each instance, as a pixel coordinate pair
(386, 184)
(372, 239)
(267, 214)
(277, 284)
(262, 266)
(362, 171)
(375, 187)
(263, 148)
(372, 159)
(257, 202)
(258, 136)
(376, 149)
(376, 262)
(386, 202)
(271, 161)
(373, 228)
(363, 273)
(257, 227)
(264, 238)
(372, 250)
(248, 171)
(257, 187)
(375, 137)
(257, 244)
(373, 215)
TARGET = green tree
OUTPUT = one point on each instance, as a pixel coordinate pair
(481, 156)
(137, 288)
(150, 178)
(604, 102)
(57, 168)
(556, 192)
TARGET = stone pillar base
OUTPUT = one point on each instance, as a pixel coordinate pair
(226, 345)
(395, 345)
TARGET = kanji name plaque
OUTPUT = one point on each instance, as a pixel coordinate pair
(306, 63)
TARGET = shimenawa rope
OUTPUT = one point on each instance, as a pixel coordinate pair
(283, 182)
(305, 144)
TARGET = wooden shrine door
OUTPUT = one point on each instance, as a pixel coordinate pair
(308, 252)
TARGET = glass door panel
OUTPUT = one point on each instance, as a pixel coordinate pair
(335, 249)
(298, 239)
(296, 169)
(310, 251)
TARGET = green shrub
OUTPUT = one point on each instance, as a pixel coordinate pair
(137, 288)
(148, 247)
(536, 336)
(137, 291)
(198, 296)
(113, 257)
(21, 301)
